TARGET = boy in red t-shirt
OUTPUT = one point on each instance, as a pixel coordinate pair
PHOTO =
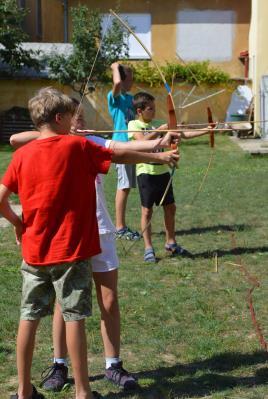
(55, 179)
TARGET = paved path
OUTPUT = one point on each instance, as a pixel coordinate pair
(4, 222)
(252, 146)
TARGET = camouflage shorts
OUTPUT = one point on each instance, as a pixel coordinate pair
(69, 283)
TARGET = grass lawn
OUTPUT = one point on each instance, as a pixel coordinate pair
(186, 329)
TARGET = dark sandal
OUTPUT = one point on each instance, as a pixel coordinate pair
(176, 250)
(149, 255)
(35, 395)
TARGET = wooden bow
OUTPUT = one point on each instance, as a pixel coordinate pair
(172, 119)
(212, 124)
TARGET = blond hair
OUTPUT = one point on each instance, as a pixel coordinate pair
(47, 103)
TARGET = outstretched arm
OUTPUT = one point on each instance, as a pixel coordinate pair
(196, 133)
(147, 145)
(131, 157)
(8, 213)
(19, 139)
(149, 136)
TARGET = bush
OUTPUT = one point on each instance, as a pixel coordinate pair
(195, 72)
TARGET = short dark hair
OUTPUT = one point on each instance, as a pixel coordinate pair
(123, 71)
(142, 99)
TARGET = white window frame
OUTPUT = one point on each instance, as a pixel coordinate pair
(205, 35)
(136, 52)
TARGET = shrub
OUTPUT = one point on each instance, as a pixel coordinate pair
(195, 72)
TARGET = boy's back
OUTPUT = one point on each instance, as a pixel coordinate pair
(55, 179)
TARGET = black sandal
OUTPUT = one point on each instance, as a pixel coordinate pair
(35, 395)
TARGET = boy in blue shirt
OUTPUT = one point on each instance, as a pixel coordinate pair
(121, 110)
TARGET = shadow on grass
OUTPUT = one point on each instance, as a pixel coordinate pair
(214, 379)
(221, 253)
(224, 252)
(209, 229)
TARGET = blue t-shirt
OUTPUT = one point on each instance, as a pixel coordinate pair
(122, 111)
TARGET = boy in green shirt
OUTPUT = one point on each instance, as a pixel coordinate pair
(153, 178)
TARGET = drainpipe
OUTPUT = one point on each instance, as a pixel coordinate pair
(65, 16)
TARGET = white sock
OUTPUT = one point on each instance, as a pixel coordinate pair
(60, 360)
(110, 360)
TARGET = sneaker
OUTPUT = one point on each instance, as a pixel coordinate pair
(120, 376)
(127, 234)
(149, 255)
(56, 377)
(35, 395)
(176, 250)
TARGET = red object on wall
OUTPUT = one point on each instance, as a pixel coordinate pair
(244, 57)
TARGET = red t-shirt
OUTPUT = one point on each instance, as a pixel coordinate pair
(55, 180)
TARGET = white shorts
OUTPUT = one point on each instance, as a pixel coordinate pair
(107, 260)
(126, 176)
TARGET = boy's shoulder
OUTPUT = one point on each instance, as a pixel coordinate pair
(38, 143)
(137, 123)
(120, 97)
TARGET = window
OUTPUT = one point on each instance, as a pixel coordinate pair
(141, 24)
(205, 35)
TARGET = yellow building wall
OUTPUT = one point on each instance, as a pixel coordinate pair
(163, 23)
(258, 52)
(17, 92)
(30, 20)
(52, 21)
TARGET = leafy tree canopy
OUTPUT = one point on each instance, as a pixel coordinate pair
(94, 49)
(12, 36)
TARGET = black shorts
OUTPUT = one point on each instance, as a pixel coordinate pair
(152, 188)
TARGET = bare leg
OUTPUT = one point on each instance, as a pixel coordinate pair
(59, 334)
(146, 216)
(120, 207)
(106, 289)
(77, 348)
(25, 348)
(169, 216)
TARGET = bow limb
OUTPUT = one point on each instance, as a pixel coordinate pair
(212, 124)
(172, 120)
(143, 46)
(170, 103)
(172, 124)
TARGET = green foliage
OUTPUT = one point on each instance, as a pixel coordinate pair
(90, 44)
(146, 73)
(12, 35)
(195, 72)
